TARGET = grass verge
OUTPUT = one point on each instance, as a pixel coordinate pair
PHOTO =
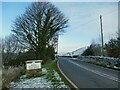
(53, 66)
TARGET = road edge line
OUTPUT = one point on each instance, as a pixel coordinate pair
(66, 76)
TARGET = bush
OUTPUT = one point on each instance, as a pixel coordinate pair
(11, 74)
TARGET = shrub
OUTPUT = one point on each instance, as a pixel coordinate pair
(11, 74)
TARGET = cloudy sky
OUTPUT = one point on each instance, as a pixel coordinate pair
(84, 23)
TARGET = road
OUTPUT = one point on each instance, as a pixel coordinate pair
(85, 75)
(0, 79)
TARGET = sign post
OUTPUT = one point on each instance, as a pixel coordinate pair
(33, 68)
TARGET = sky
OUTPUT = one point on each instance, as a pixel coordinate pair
(84, 23)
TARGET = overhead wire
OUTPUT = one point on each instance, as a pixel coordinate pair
(96, 18)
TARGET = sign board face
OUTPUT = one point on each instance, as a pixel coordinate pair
(33, 65)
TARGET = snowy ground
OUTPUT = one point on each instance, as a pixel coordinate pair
(39, 82)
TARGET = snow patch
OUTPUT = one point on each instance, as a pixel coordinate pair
(38, 82)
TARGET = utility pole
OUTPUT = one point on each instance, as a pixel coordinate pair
(102, 48)
(119, 19)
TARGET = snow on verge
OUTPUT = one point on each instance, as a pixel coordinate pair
(38, 82)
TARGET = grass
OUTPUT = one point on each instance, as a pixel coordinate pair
(13, 74)
(53, 66)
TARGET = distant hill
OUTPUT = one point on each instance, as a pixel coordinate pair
(76, 52)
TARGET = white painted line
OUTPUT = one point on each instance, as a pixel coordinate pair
(96, 72)
(66, 76)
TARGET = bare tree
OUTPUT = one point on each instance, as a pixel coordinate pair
(0, 53)
(37, 26)
(10, 48)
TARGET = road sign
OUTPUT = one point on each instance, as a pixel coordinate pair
(34, 64)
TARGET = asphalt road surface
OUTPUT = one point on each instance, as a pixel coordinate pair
(0, 79)
(85, 75)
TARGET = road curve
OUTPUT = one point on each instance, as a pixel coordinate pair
(85, 75)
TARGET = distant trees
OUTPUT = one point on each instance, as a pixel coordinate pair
(93, 50)
(37, 27)
(113, 48)
(0, 53)
(88, 52)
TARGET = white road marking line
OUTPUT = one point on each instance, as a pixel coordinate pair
(96, 72)
(66, 76)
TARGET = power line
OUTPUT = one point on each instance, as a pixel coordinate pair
(96, 18)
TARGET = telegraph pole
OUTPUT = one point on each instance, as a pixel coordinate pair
(102, 48)
(119, 19)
